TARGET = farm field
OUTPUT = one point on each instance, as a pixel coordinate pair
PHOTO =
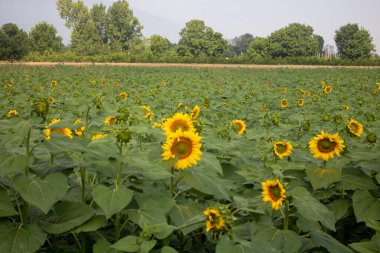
(165, 159)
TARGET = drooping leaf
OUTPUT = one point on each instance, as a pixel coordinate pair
(325, 240)
(210, 162)
(111, 201)
(283, 240)
(42, 193)
(102, 246)
(365, 206)
(132, 243)
(13, 164)
(323, 177)
(93, 224)
(6, 207)
(362, 182)
(68, 215)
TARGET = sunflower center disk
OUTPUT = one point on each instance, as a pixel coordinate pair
(280, 148)
(182, 148)
(354, 128)
(326, 145)
(275, 192)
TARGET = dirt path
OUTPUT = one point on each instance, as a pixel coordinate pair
(186, 65)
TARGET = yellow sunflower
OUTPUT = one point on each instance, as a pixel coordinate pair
(180, 121)
(184, 146)
(12, 113)
(98, 136)
(240, 125)
(323, 84)
(214, 220)
(284, 103)
(346, 107)
(355, 128)
(53, 84)
(325, 145)
(282, 148)
(328, 89)
(110, 120)
(307, 93)
(273, 192)
(79, 131)
(300, 102)
(64, 131)
(195, 112)
(181, 105)
(123, 95)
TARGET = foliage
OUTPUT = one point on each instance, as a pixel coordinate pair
(258, 48)
(353, 42)
(118, 194)
(158, 44)
(197, 39)
(239, 45)
(43, 37)
(14, 42)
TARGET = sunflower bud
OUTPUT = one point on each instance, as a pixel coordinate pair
(326, 117)
(306, 126)
(41, 108)
(370, 117)
(275, 119)
(338, 119)
(314, 99)
(371, 138)
(124, 137)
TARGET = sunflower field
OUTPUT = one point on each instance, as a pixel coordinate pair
(126, 159)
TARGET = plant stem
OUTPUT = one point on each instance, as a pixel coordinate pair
(286, 221)
(83, 183)
(118, 182)
(171, 189)
(25, 206)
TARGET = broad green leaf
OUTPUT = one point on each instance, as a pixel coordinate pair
(13, 164)
(93, 224)
(20, 239)
(365, 206)
(111, 201)
(339, 207)
(323, 177)
(42, 193)
(102, 246)
(283, 240)
(168, 249)
(68, 215)
(362, 182)
(373, 224)
(210, 162)
(187, 216)
(325, 240)
(378, 178)
(227, 246)
(310, 208)
(6, 206)
(364, 247)
(132, 243)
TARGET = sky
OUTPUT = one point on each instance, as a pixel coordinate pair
(231, 18)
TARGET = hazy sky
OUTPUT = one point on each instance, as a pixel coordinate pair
(231, 18)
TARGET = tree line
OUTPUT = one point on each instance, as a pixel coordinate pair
(101, 31)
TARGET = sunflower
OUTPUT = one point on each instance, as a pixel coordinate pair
(109, 120)
(355, 128)
(284, 103)
(300, 102)
(184, 146)
(325, 145)
(64, 131)
(181, 105)
(79, 131)
(240, 125)
(214, 220)
(12, 113)
(149, 114)
(328, 89)
(53, 84)
(178, 121)
(282, 148)
(98, 136)
(323, 84)
(273, 192)
(123, 95)
(155, 124)
(307, 93)
(195, 112)
(346, 107)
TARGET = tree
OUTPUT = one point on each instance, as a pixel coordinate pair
(14, 42)
(353, 42)
(43, 37)
(321, 43)
(258, 48)
(239, 45)
(123, 29)
(158, 44)
(98, 14)
(294, 40)
(201, 40)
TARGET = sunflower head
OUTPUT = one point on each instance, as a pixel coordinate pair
(41, 108)
(110, 120)
(282, 148)
(346, 107)
(183, 146)
(328, 89)
(63, 131)
(240, 126)
(284, 103)
(181, 105)
(323, 84)
(355, 128)
(214, 220)
(179, 121)
(53, 84)
(195, 112)
(12, 113)
(300, 102)
(273, 192)
(123, 95)
(79, 131)
(371, 138)
(325, 145)
(98, 136)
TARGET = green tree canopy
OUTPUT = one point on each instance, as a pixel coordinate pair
(158, 44)
(99, 17)
(239, 45)
(14, 42)
(294, 40)
(353, 42)
(43, 37)
(201, 40)
(258, 48)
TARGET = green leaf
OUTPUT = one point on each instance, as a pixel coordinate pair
(187, 216)
(210, 162)
(310, 208)
(375, 225)
(20, 239)
(323, 177)
(111, 201)
(364, 247)
(102, 246)
(167, 249)
(13, 164)
(42, 193)
(132, 243)
(378, 178)
(365, 206)
(322, 239)
(68, 215)
(92, 224)
(6, 207)
(283, 240)
(362, 182)
(339, 207)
